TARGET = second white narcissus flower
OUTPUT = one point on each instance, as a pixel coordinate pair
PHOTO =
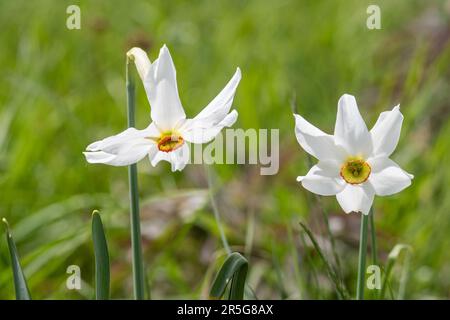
(167, 136)
(353, 163)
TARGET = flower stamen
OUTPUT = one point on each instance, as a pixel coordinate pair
(355, 170)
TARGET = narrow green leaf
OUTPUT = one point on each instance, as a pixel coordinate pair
(238, 283)
(20, 283)
(101, 258)
(234, 270)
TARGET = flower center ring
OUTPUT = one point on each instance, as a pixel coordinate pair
(170, 142)
(355, 170)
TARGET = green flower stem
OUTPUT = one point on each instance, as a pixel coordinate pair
(362, 257)
(138, 267)
(373, 238)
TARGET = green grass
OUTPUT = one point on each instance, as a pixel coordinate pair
(63, 89)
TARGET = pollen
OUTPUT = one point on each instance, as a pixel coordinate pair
(169, 142)
(355, 170)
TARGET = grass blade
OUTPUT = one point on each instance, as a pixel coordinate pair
(327, 225)
(235, 270)
(278, 273)
(20, 283)
(209, 174)
(102, 273)
(392, 259)
(331, 272)
(249, 293)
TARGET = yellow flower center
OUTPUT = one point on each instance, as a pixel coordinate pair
(355, 170)
(169, 141)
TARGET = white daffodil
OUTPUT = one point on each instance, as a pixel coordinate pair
(353, 163)
(167, 137)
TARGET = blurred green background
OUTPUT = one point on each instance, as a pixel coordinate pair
(62, 89)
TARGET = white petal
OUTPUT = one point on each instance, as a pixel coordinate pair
(323, 179)
(162, 91)
(123, 149)
(387, 177)
(218, 108)
(98, 157)
(197, 131)
(111, 144)
(141, 61)
(316, 142)
(156, 157)
(386, 132)
(350, 130)
(180, 157)
(177, 158)
(356, 198)
(214, 117)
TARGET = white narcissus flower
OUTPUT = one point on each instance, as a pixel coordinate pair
(167, 136)
(353, 163)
